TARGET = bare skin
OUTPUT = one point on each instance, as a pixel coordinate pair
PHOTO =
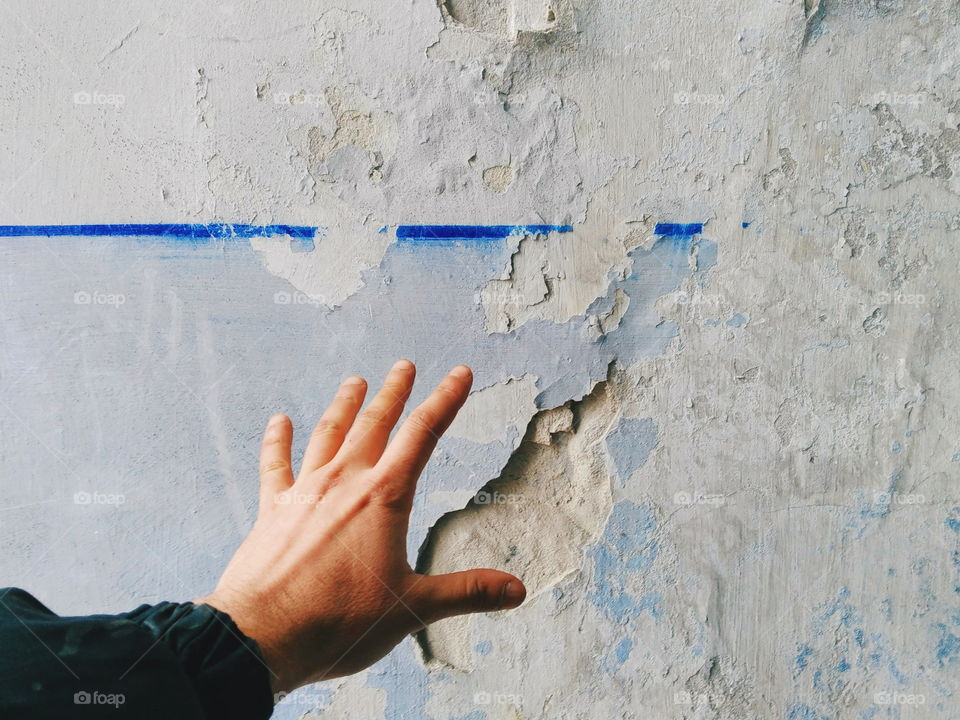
(322, 581)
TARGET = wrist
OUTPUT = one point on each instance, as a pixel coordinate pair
(225, 667)
(252, 624)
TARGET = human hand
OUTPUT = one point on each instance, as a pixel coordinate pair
(322, 581)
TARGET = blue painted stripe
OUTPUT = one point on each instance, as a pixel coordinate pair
(678, 229)
(474, 232)
(209, 231)
(184, 231)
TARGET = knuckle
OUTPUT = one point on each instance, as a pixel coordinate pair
(351, 393)
(327, 427)
(389, 493)
(373, 417)
(424, 419)
(396, 388)
(332, 473)
(271, 466)
(451, 390)
(477, 592)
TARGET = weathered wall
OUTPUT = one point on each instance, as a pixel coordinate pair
(725, 461)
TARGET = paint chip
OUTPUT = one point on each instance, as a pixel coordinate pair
(498, 178)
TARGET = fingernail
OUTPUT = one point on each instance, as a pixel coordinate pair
(512, 595)
(354, 380)
(402, 364)
(461, 371)
(278, 418)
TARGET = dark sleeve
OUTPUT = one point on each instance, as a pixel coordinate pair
(168, 661)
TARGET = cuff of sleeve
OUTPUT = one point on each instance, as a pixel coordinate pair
(226, 667)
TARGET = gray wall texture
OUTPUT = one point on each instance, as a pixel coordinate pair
(725, 460)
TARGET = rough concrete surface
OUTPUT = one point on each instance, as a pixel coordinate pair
(726, 460)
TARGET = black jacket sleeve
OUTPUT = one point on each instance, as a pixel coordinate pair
(168, 661)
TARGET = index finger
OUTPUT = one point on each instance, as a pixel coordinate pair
(411, 447)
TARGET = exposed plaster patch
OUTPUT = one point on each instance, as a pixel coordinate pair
(498, 178)
(549, 422)
(505, 18)
(901, 153)
(357, 123)
(549, 503)
(534, 285)
(333, 270)
(507, 302)
(489, 413)
(203, 107)
(605, 314)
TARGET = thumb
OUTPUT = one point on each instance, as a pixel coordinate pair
(470, 591)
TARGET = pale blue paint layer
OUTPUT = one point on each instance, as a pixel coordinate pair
(628, 548)
(737, 320)
(211, 353)
(630, 444)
